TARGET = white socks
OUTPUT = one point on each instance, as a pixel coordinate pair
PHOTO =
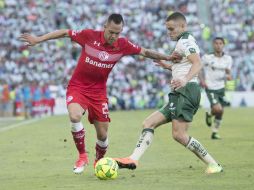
(103, 144)
(197, 148)
(144, 142)
(76, 127)
(216, 125)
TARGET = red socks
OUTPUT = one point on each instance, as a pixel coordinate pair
(79, 139)
(100, 151)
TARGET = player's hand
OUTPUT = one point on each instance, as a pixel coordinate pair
(163, 64)
(229, 77)
(178, 83)
(29, 39)
(203, 84)
(175, 57)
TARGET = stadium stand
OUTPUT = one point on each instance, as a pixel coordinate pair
(135, 83)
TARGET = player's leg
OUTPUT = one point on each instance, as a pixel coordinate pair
(78, 132)
(217, 111)
(149, 125)
(212, 100)
(179, 133)
(102, 139)
(99, 116)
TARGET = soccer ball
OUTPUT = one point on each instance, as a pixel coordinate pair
(106, 168)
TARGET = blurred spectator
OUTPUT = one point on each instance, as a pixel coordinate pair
(130, 86)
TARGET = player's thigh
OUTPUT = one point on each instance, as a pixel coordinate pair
(154, 120)
(76, 103)
(75, 111)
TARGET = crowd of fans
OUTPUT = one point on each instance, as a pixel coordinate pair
(134, 82)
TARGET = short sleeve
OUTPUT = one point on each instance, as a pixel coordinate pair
(189, 47)
(131, 48)
(79, 36)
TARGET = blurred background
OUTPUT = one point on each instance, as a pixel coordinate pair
(33, 80)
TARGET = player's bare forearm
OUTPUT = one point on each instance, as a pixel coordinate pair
(153, 54)
(201, 75)
(31, 40)
(228, 74)
(54, 35)
(163, 64)
(196, 66)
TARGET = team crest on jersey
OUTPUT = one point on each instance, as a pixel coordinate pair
(70, 98)
(103, 56)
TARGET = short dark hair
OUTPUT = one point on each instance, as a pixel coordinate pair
(219, 38)
(176, 16)
(116, 18)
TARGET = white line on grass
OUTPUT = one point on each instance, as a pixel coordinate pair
(19, 124)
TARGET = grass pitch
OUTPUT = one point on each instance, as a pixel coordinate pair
(40, 155)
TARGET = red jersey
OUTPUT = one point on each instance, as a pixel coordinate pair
(97, 60)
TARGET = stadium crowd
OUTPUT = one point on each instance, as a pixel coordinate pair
(135, 82)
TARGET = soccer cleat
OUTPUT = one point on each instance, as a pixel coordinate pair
(214, 168)
(215, 136)
(208, 119)
(80, 164)
(126, 163)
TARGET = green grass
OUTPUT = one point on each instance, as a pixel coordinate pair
(40, 155)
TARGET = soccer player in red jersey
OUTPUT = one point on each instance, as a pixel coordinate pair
(86, 90)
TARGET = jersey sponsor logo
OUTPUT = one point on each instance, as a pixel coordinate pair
(109, 57)
(69, 98)
(98, 64)
(103, 56)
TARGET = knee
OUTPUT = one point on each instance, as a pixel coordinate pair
(179, 137)
(217, 110)
(75, 117)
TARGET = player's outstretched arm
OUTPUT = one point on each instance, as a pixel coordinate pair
(156, 55)
(163, 64)
(33, 40)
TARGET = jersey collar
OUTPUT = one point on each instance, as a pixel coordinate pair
(182, 34)
(103, 41)
(217, 56)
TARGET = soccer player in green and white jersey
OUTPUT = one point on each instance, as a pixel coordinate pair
(183, 100)
(217, 69)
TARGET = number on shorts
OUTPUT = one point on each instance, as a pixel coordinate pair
(105, 108)
(213, 98)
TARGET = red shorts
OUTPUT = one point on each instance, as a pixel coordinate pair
(48, 102)
(97, 108)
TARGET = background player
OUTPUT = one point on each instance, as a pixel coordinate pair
(86, 90)
(183, 100)
(216, 70)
